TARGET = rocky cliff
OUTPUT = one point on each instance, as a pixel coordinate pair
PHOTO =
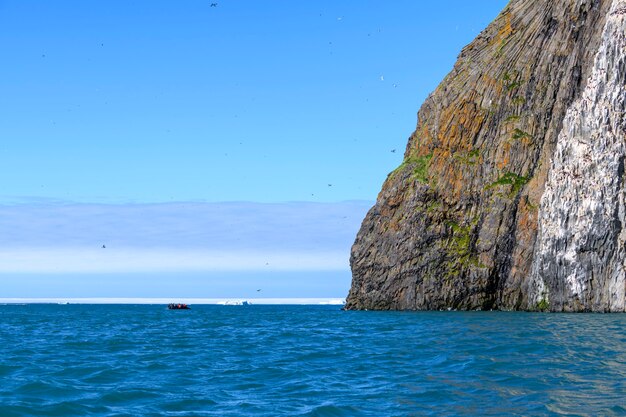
(512, 191)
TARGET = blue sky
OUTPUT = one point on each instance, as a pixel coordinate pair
(126, 105)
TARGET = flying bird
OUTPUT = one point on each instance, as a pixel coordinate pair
(213, 4)
(393, 151)
(104, 247)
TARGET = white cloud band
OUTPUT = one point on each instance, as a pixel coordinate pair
(131, 260)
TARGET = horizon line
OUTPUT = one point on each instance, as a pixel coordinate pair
(181, 300)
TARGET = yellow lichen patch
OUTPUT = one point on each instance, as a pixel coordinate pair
(526, 220)
(394, 225)
(506, 30)
(501, 39)
(526, 141)
(421, 141)
(454, 157)
(443, 154)
(504, 161)
(451, 175)
(490, 83)
(459, 124)
(458, 184)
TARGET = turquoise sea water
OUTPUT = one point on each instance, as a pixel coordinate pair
(143, 360)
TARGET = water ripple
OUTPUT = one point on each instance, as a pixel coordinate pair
(307, 361)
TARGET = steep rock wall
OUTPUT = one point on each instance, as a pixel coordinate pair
(580, 254)
(464, 222)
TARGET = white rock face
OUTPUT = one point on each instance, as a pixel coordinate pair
(580, 259)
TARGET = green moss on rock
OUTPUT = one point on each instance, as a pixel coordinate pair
(515, 181)
(419, 165)
(519, 134)
(543, 305)
(469, 158)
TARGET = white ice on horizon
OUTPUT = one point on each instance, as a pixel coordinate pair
(165, 301)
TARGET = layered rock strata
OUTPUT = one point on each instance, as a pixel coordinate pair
(511, 193)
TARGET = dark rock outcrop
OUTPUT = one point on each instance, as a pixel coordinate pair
(512, 190)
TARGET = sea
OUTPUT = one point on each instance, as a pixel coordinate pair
(301, 360)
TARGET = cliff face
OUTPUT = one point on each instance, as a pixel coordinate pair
(511, 194)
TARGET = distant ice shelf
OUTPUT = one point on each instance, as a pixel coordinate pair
(190, 301)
